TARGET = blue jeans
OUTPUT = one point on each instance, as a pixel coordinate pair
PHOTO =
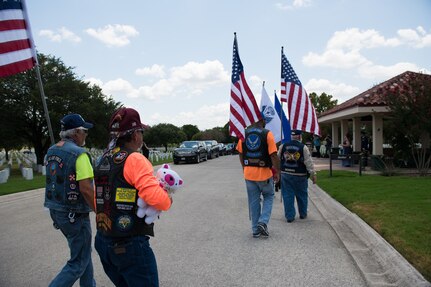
(129, 261)
(260, 213)
(292, 187)
(78, 235)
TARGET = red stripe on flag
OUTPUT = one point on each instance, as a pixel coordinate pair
(12, 25)
(306, 113)
(12, 46)
(16, 67)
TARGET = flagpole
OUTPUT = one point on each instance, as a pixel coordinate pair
(39, 78)
(45, 107)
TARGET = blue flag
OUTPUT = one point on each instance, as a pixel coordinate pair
(285, 122)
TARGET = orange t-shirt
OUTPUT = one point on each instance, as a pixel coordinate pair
(259, 173)
(138, 172)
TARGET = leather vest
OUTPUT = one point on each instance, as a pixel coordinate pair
(62, 190)
(116, 199)
(292, 158)
(255, 148)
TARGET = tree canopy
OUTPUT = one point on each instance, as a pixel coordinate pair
(409, 121)
(323, 102)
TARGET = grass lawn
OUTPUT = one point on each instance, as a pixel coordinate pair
(397, 207)
(17, 183)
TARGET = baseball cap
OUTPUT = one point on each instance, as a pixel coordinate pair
(124, 120)
(73, 121)
(296, 132)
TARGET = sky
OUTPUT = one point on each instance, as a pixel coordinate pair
(172, 60)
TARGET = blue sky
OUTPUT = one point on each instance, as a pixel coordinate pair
(172, 60)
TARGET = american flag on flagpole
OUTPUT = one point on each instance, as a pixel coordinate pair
(244, 110)
(302, 115)
(17, 52)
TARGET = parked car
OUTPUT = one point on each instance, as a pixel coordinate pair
(222, 149)
(212, 148)
(190, 151)
(230, 147)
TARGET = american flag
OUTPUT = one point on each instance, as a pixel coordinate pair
(244, 110)
(17, 52)
(302, 115)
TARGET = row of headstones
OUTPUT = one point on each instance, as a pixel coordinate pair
(26, 163)
(154, 157)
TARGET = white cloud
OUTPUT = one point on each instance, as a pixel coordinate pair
(335, 59)
(355, 39)
(382, 73)
(295, 5)
(114, 35)
(416, 38)
(192, 79)
(214, 115)
(63, 34)
(154, 71)
(339, 91)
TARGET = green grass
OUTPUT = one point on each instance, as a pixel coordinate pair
(397, 207)
(17, 183)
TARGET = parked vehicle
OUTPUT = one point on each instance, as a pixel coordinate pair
(222, 149)
(230, 147)
(212, 148)
(190, 151)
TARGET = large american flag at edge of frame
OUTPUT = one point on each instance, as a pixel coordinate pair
(17, 52)
(302, 115)
(244, 110)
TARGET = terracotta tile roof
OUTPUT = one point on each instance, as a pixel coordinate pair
(374, 96)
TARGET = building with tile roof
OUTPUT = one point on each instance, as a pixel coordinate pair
(366, 109)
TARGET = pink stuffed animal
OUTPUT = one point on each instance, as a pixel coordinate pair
(169, 181)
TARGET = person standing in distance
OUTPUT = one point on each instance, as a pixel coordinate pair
(296, 164)
(122, 175)
(69, 195)
(257, 154)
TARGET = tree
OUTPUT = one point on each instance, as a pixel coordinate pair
(164, 134)
(409, 102)
(190, 130)
(323, 102)
(22, 106)
(210, 134)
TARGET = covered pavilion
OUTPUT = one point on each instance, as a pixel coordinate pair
(369, 108)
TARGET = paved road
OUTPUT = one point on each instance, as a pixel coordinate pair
(204, 240)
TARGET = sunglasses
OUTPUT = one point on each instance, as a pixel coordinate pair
(84, 131)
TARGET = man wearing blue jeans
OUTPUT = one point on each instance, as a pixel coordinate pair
(258, 153)
(69, 195)
(295, 166)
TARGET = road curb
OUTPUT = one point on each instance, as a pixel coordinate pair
(378, 261)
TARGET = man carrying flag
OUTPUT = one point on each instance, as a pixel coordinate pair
(256, 147)
(295, 158)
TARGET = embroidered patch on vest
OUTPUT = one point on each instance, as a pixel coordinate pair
(119, 157)
(253, 142)
(124, 223)
(123, 194)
